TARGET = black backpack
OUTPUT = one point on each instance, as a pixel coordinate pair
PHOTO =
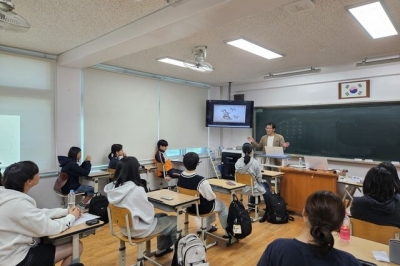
(276, 210)
(98, 206)
(238, 217)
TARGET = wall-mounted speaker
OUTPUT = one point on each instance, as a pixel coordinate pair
(238, 97)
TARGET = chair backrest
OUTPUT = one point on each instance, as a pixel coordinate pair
(60, 181)
(190, 192)
(112, 172)
(373, 232)
(120, 216)
(160, 168)
(246, 179)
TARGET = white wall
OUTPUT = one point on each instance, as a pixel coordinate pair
(318, 89)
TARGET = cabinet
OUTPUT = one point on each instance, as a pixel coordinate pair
(228, 160)
(298, 184)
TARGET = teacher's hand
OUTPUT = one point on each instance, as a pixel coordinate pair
(285, 144)
(251, 139)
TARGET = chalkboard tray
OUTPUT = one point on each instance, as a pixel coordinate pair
(367, 131)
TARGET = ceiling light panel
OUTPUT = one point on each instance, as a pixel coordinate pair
(172, 61)
(374, 19)
(254, 48)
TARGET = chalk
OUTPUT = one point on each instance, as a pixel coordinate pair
(357, 159)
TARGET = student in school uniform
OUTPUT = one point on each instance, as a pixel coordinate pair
(323, 213)
(69, 165)
(126, 191)
(189, 179)
(115, 155)
(23, 224)
(380, 203)
(393, 171)
(161, 156)
(248, 165)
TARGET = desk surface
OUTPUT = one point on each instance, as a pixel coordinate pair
(223, 183)
(75, 230)
(349, 181)
(177, 198)
(99, 173)
(362, 248)
(272, 173)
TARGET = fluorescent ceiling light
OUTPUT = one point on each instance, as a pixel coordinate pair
(374, 20)
(293, 73)
(172, 61)
(378, 61)
(254, 48)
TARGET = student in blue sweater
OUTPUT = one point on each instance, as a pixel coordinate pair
(69, 165)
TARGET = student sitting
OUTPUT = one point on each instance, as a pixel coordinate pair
(380, 204)
(74, 171)
(248, 165)
(23, 224)
(208, 202)
(393, 171)
(127, 192)
(162, 157)
(323, 213)
(115, 155)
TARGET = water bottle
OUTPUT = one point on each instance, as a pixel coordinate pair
(300, 161)
(71, 199)
(345, 229)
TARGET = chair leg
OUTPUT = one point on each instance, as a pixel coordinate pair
(256, 209)
(140, 254)
(203, 229)
(186, 224)
(122, 253)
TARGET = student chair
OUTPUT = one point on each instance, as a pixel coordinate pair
(249, 180)
(161, 168)
(373, 232)
(202, 217)
(112, 173)
(60, 182)
(122, 217)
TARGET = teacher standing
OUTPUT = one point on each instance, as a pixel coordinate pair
(271, 139)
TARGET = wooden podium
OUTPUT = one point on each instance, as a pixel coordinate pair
(297, 184)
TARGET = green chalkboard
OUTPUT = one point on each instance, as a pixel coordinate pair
(366, 131)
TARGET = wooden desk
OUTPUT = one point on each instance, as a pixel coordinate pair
(95, 176)
(298, 184)
(220, 185)
(177, 204)
(350, 188)
(362, 249)
(75, 233)
(276, 176)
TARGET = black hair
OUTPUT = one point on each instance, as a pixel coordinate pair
(379, 184)
(270, 124)
(247, 149)
(162, 142)
(191, 160)
(73, 153)
(325, 212)
(17, 174)
(393, 171)
(127, 169)
(114, 149)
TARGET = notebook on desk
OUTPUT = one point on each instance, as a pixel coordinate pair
(274, 150)
(317, 163)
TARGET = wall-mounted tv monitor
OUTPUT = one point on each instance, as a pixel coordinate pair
(225, 113)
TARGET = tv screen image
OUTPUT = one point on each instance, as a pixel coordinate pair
(225, 113)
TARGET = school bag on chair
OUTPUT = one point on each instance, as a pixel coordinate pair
(276, 210)
(189, 251)
(98, 206)
(239, 221)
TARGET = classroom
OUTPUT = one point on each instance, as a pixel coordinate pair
(88, 74)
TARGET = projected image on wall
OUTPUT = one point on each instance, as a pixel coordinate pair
(10, 132)
(230, 113)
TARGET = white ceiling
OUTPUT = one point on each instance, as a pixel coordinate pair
(133, 34)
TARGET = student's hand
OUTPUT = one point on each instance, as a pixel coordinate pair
(285, 144)
(168, 178)
(75, 211)
(124, 154)
(251, 139)
(147, 167)
(88, 158)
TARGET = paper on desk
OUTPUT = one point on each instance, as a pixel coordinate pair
(380, 256)
(85, 217)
